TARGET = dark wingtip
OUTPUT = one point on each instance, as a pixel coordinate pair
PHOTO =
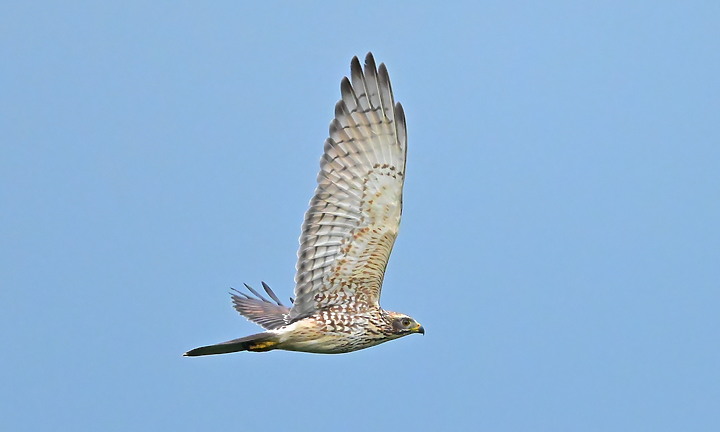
(384, 75)
(346, 87)
(257, 294)
(271, 293)
(370, 63)
(355, 63)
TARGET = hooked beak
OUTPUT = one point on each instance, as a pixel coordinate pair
(420, 329)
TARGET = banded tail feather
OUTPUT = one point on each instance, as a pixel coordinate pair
(257, 342)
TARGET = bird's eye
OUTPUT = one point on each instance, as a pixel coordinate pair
(405, 322)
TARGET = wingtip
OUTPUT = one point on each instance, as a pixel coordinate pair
(399, 112)
(383, 73)
(370, 61)
(346, 91)
(355, 64)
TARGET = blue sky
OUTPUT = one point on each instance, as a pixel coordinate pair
(560, 236)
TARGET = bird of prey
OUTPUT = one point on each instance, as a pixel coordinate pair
(347, 235)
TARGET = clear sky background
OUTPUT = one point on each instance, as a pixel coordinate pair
(560, 240)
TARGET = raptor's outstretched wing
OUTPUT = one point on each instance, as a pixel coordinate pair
(260, 310)
(353, 219)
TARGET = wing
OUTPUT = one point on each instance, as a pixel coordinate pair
(260, 310)
(353, 219)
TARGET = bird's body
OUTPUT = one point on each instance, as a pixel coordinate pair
(335, 330)
(347, 235)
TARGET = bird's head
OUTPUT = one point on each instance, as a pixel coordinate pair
(403, 324)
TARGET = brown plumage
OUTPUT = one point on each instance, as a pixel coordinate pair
(347, 236)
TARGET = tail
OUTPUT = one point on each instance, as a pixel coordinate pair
(256, 342)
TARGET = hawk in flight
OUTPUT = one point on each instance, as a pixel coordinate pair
(347, 234)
